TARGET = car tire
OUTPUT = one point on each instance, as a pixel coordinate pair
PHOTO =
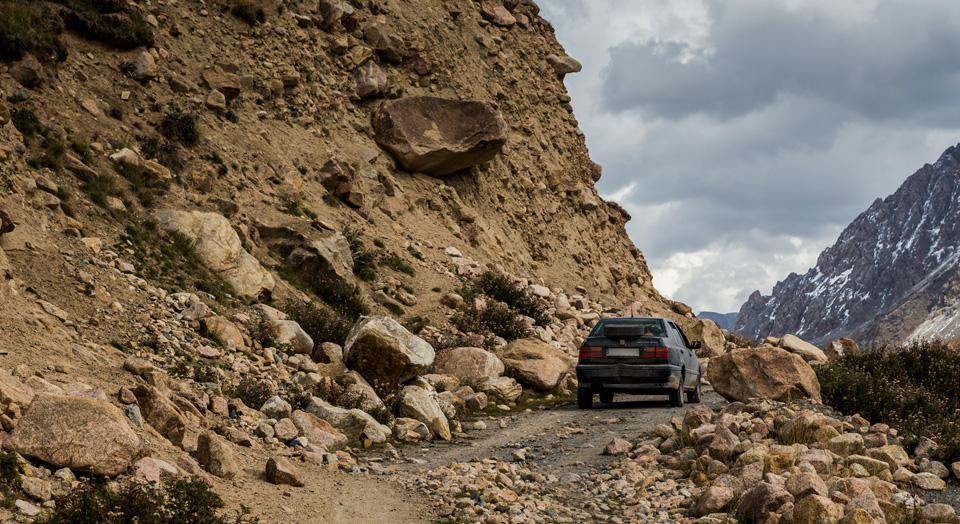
(694, 396)
(676, 396)
(606, 397)
(584, 398)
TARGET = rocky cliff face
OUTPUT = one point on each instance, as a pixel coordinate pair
(891, 274)
(277, 101)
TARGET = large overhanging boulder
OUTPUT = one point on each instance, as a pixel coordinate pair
(385, 353)
(808, 351)
(438, 136)
(219, 247)
(763, 372)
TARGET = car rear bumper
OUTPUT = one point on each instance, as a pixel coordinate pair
(629, 377)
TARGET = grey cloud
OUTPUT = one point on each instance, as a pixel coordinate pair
(775, 126)
(900, 63)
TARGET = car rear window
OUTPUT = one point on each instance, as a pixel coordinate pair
(649, 326)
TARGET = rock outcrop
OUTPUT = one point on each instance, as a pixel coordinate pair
(218, 245)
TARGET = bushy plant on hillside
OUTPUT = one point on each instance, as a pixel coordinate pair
(504, 302)
(174, 502)
(497, 286)
(913, 388)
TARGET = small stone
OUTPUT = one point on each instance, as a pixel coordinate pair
(617, 446)
(27, 508)
(281, 471)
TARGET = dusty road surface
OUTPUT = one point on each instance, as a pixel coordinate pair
(554, 454)
(550, 436)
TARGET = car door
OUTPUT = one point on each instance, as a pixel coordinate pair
(681, 341)
(693, 363)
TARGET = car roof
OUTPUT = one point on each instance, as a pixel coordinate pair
(638, 318)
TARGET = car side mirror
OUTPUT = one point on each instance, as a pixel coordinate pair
(695, 344)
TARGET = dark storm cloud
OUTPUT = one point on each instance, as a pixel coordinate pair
(899, 62)
(743, 135)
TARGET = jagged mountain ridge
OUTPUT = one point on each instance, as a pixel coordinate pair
(882, 278)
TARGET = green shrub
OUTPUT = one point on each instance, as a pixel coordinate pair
(498, 287)
(27, 123)
(30, 27)
(332, 200)
(100, 187)
(98, 20)
(496, 318)
(140, 184)
(83, 152)
(394, 262)
(52, 155)
(913, 388)
(364, 260)
(416, 324)
(264, 332)
(321, 323)
(173, 502)
(251, 392)
(249, 11)
(180, 127)
(165, 152)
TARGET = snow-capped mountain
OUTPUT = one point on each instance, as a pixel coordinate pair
(891, 276)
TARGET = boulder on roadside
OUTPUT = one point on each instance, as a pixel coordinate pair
(215, 456)
(763, 372)
(385, 353)
(419, 404)
(220, 249)
(370, 79)
(439, 136)
(79, 433)
(841, 347)
(712, 341)
(536, 363)
(762, 500)
(808, 351)
(469, 364)
(501, 389)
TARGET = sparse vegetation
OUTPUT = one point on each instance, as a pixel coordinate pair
(394, 262)
(170, 258)
(9, 477)
(364, 260)
(174, 502)
(52, 153)
(141, 185)
(30, 27)
(180, 127)
(505, 302)
(251, 392)
(27, 122)
(100, 20)
(249, 11)
(165, 152)
(913, 388)
(321, 323)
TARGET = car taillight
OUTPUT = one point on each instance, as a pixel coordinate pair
(656, 352)
(590, 352)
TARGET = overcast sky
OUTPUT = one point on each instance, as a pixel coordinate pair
(744, 135)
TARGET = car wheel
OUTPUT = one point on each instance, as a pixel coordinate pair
(694, 396)
(676, 396)
(606, 397)
(584, 398)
